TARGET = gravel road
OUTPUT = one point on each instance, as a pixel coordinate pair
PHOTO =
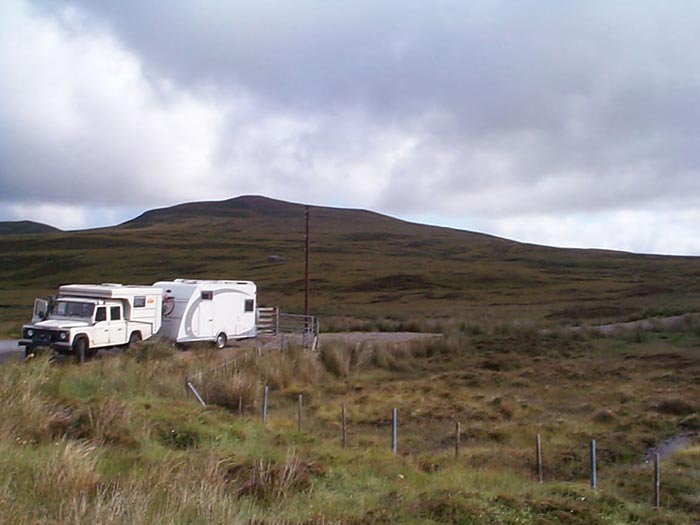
(653, 323)
(386, 337)
(10, 350)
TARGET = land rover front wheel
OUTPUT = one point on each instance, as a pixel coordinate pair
(220, 340)
(80, 349)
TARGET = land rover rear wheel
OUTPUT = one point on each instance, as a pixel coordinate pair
(220, 340)
(80, 349)
(134, 338)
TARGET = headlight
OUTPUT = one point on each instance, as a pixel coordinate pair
(63, 336)
(30, 333)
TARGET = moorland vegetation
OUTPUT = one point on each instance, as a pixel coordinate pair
(119, 440)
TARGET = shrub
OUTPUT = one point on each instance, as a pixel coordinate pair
(637, 335)
(230, 390)
(73, 467)
(270, 481)
(675, 407)
(152, 350)
(691, 422)
(604, 416)
(336, 360)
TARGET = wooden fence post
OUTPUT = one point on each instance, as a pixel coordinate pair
(394, 431)
(657, 482)
(299, 412)
(538, 454)
(458, 437)
(594, 475)
(343, 417)
(264, 407)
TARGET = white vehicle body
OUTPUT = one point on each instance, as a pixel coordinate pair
(86, 317)
(200, 310)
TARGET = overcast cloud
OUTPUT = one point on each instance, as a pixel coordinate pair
(566, 123)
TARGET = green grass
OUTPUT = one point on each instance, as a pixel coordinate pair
(119, 441)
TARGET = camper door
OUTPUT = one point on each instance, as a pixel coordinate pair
(206, 314)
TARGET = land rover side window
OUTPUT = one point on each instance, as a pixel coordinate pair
(115, 313)
(101, 314)
(207, 296)
(140, 301)
(249, 303)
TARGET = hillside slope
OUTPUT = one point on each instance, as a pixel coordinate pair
(24, 227)
(362, 264)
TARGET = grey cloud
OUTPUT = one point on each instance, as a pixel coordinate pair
(492, 107)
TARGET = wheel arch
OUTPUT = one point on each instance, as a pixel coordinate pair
(81, 335)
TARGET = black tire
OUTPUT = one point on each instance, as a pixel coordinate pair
(134, 339)
(28, 352)
(80, 349)
(220, 341)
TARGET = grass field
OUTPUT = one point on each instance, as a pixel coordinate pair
(119, 441)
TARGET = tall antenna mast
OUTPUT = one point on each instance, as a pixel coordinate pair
(306, 265)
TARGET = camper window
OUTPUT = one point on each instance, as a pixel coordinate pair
(139, 301)
(115, 313)
(249, 303)
(207, 296)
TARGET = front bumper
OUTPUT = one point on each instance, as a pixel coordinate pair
(30, 344)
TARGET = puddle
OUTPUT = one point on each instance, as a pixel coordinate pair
(667, 447)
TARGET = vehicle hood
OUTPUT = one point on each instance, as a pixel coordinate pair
(58, 324)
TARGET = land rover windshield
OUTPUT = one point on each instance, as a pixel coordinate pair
(64, 309)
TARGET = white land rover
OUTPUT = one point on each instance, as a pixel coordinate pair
(87, 317)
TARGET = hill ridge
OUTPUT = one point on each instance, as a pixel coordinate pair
(25, 227)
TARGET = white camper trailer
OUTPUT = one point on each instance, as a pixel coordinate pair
(199, 310)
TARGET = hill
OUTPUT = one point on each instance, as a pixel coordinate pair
(24, 227)
(363, 265)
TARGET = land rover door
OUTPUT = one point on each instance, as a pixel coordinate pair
(117, 325)
(100, 332)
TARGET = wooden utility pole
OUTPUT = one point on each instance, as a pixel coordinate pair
(306, 265)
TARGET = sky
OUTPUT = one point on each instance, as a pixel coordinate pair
(562, 123)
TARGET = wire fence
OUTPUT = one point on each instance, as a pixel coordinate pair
(259, 405)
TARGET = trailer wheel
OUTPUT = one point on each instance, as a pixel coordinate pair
(80, 349)
(220, 340)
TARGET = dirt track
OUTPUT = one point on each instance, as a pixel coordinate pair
(386, 337)
(653, 323)
(10, 350)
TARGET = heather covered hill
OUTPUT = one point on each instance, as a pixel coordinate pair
(363, 264)
(24, 227)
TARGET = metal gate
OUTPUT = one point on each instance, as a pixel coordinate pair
(272, 322)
